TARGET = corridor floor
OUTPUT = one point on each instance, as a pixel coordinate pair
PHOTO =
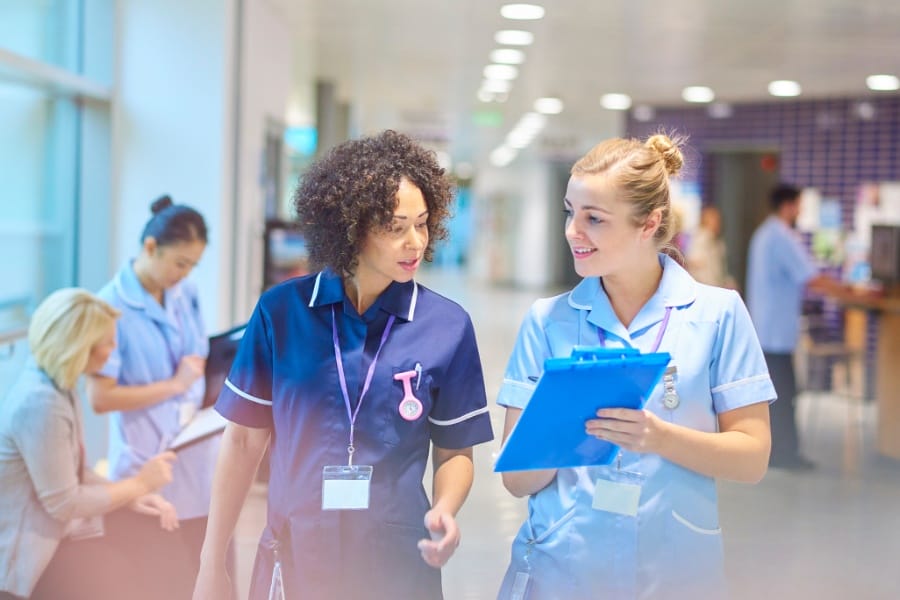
(831, 533)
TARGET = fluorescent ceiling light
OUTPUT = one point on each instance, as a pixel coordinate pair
(784, 88)
(616, 101)
(548, 106)
(502, 156)
(514, 37)
(500, 72)
(499, 86)
(882, 83)
(508, 56)
(698, 93)
(519, 139)
(522, 12)
(531, 120)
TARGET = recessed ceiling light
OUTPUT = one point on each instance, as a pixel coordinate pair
(548, 106)
(615, 101)
(784, 88)
(508, 56)
(883, 83)
(720, 110)
(514, 37)
(698, 93)
(498, 86)
(643, 113)
(522, 12)
(500, 72)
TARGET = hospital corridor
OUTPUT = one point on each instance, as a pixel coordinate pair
(449, 300)
(820, 535)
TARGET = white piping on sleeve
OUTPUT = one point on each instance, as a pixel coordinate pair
(739, 382)
(465, 417)
(247, 396)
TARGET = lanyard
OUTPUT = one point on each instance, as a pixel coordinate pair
(180, 329)
(659, 336)
(351, 414)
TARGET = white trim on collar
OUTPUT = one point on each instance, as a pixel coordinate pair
(412, 303)
(120, 290)
(315, 294)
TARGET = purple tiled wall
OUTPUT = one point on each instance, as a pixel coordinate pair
(831, 145)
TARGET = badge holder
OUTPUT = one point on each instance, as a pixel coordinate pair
(346, 487)
(85, 528)
(618, 491)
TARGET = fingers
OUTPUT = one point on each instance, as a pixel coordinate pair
(444, 539)
(168, 456)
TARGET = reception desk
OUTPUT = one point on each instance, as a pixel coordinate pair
(886, 362)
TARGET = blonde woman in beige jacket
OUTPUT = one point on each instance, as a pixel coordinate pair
(54, 539)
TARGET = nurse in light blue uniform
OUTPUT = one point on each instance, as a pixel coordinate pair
(152, 383)
(647, 525)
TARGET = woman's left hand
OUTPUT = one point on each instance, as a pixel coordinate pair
(633, 430)
(444, 538)
(155, 505)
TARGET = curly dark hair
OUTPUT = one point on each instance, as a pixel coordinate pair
(352, 191)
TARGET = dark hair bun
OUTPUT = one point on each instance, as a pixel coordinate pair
(161, 204)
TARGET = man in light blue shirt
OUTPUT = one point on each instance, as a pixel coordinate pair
(779, 270)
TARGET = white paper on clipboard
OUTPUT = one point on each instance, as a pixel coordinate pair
(206, 423)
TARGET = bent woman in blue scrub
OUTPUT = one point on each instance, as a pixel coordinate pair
(351, 375)
(152, 383)
(646, 526)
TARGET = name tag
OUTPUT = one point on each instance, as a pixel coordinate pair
(346, 487)
(617, 497)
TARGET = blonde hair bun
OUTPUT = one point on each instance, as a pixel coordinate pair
(668, 151)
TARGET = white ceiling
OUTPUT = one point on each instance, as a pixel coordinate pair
(417, 64)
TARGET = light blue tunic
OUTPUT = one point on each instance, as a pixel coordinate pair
(150, 342)
(778, 269)
(673, 548)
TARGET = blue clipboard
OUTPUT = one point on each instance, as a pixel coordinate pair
(550, 432)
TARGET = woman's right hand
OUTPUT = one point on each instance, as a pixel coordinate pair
(190, 369)
(157, 472)
(213, 583)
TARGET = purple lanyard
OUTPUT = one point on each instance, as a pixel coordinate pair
(351, 414)
(659, 336)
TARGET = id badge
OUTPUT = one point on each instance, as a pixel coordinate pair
(346, 487)
(84, 528)
(521, 586)
(618, 492)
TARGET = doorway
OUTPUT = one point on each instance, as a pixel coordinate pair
(741, 179)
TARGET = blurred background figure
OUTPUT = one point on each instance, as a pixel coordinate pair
(706, 255)
(779, 271)
(152, 384)
(54, 542)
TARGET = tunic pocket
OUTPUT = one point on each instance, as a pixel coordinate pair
(396, 429)
(401, 571)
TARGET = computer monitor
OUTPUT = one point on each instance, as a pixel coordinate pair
(885, 253)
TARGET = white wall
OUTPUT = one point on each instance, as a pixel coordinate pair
(514, 236)
(172, 128)
(265, 75)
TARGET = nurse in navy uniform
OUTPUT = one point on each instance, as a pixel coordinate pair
(351, 375)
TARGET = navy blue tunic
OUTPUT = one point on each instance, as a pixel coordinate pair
(285, 378)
